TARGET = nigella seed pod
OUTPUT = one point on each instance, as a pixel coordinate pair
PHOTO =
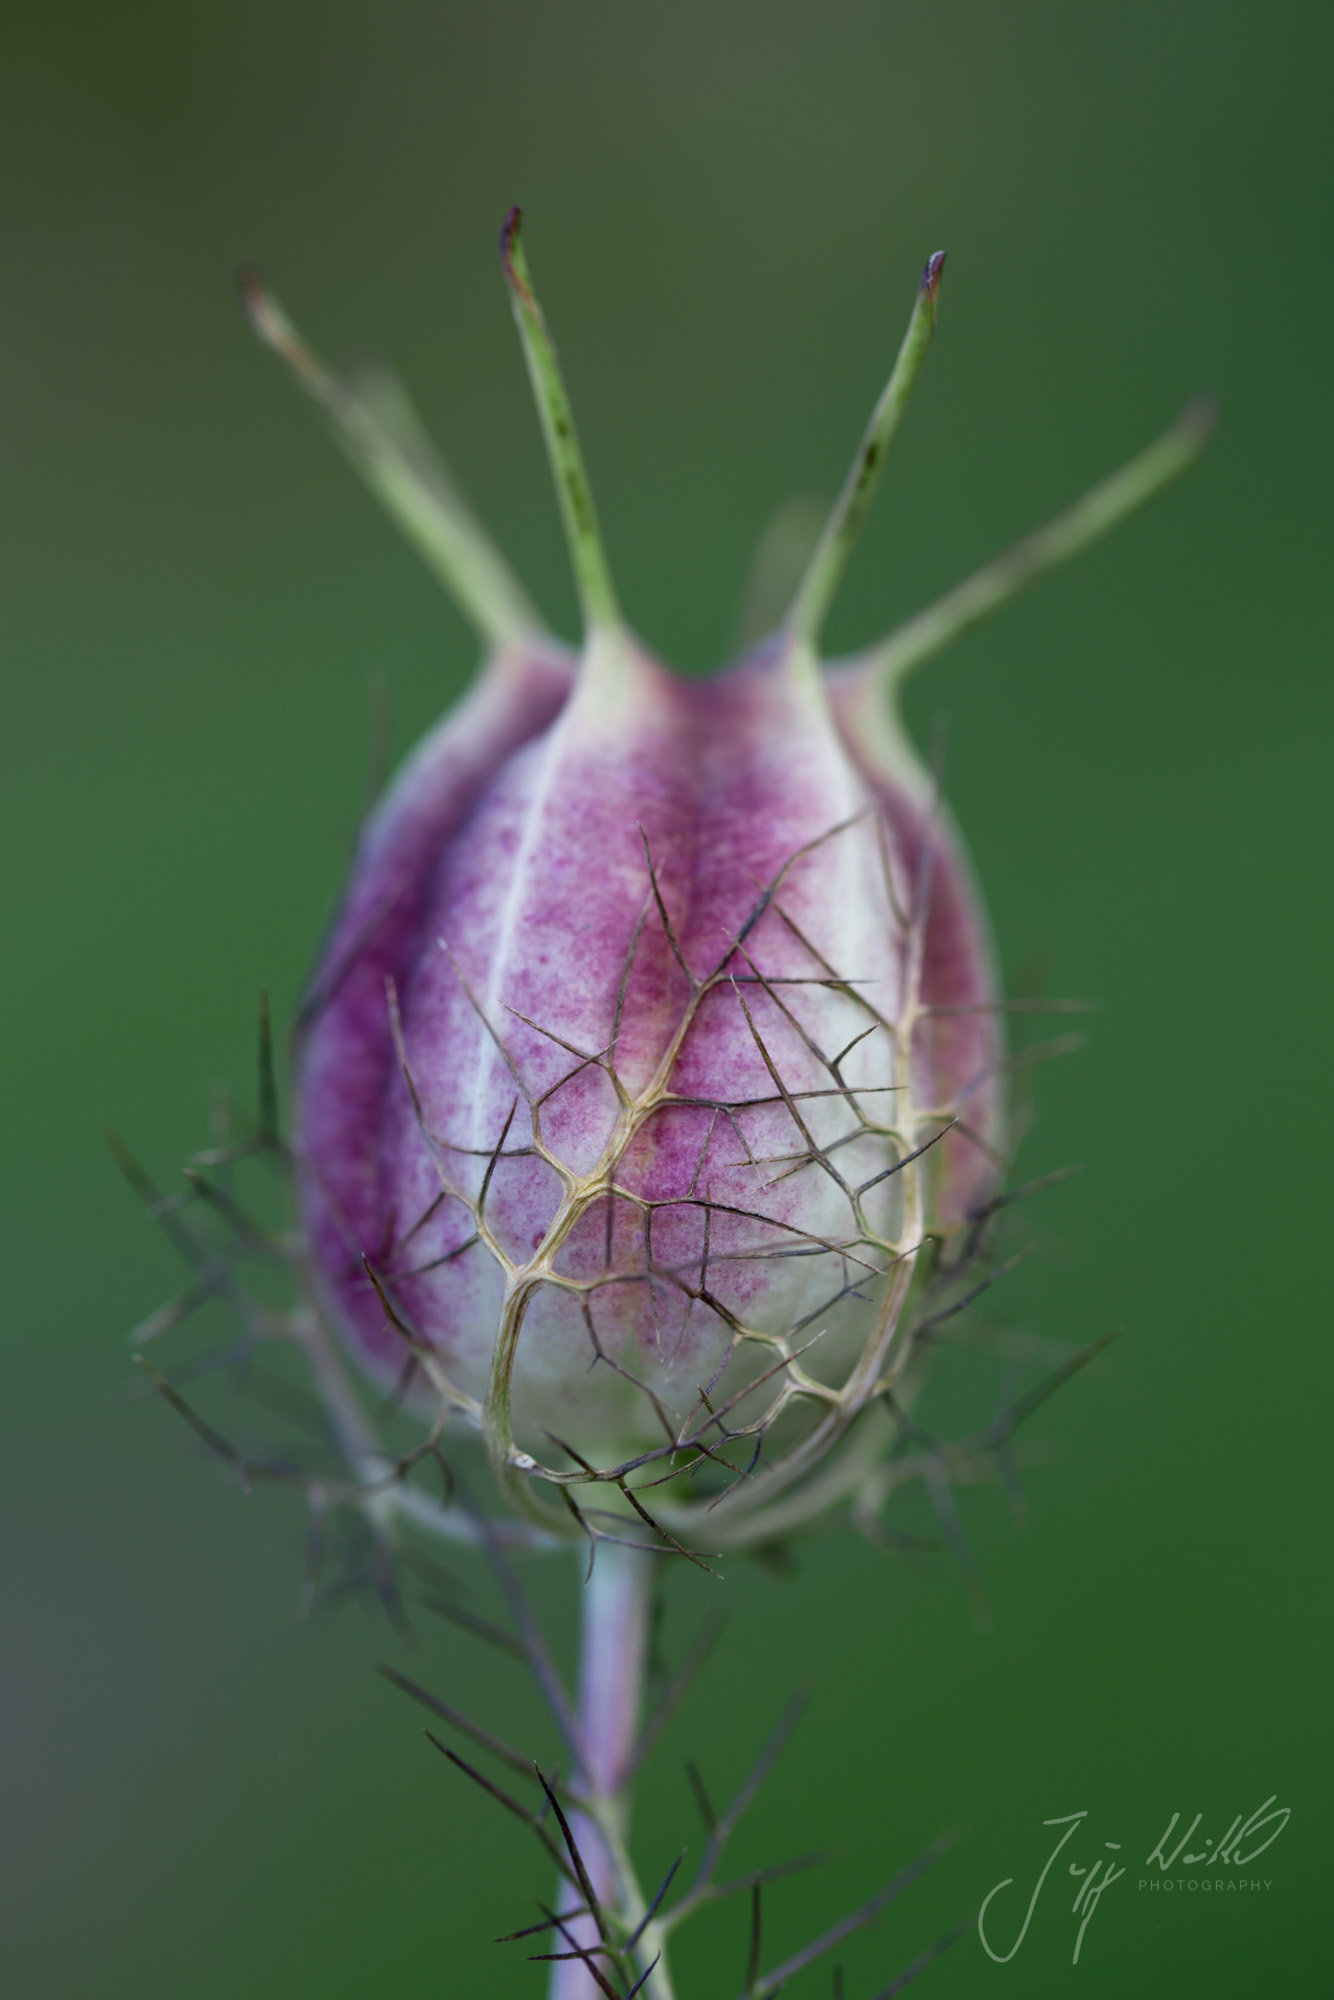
(657, 1040)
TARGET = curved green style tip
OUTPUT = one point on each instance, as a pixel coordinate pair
(381, 435)
(1066, 535)
(597, 592)
(816, 592)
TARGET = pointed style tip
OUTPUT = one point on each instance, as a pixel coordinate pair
(271, 324)
(932, 273)
(255, 301)
(1199, 420)
(248, 284)
(512, 261)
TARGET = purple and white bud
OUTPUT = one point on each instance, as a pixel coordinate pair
(657, 1036)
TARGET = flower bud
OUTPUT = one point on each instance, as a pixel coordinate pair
(656, 1038)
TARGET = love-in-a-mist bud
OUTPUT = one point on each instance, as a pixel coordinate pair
(656, 1042)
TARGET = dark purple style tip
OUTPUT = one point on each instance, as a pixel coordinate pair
(935, 265)
(509, 236)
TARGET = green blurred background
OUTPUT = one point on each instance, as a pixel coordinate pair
(727, 207)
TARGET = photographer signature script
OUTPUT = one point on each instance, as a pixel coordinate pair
(1226, 1853)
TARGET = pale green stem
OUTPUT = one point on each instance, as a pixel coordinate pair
(381, 435)
(833, 552)
(1067, 535)
(592, 575)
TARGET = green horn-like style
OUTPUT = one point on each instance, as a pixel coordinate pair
(1067, 534)
(597, 592)
(833, 552)
(380, 433)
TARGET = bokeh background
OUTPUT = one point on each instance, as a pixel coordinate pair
(727, 206)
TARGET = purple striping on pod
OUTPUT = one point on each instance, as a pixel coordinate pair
(658, 1033)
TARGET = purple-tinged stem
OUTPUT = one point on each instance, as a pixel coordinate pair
(613, 1646)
